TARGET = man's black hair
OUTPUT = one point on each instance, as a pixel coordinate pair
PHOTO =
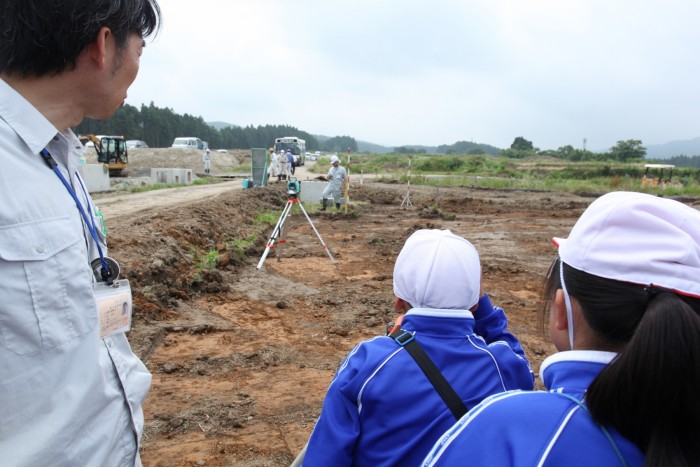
(41, 37)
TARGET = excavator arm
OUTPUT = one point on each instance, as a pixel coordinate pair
(111, 150)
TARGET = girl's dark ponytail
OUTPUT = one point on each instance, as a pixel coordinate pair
(649, 392)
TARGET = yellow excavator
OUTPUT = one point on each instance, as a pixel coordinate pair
(111, 150)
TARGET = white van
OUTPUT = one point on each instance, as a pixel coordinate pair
(188, 143)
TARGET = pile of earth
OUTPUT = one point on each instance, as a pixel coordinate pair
(142, 160)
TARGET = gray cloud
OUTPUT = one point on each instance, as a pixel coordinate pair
(416, 72)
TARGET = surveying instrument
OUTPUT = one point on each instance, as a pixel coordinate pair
(279, 234)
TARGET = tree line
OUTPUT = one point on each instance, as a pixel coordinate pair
(158, 127)
(623, 151)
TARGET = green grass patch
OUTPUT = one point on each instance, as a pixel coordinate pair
(266, 218)
(207, 261)
(534, 173)
(245, 168)
(238, 247)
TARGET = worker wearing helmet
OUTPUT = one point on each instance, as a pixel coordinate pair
(274, 164)
(206, 158)
(282, 161)
(290, 162)
(337, 175)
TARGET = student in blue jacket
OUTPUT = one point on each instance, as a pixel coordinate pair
(380, 408)
(624, 312)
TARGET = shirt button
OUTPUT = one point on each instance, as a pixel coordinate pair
(40, 249)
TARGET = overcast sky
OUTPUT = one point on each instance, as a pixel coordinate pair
(430, 72)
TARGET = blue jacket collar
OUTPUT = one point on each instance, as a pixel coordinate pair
(573, 371)
(439, 322)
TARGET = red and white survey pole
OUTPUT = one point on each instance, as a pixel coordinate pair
(407, 199)
(347, 185)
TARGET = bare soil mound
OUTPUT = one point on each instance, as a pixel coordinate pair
(142, 160)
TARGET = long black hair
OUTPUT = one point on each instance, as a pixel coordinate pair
(650, 392)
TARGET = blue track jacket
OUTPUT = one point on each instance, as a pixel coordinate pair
(538, 428)
(382, 410)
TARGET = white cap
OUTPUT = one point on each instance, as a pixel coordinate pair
(637, 238)
(334, 159)
(437, 269)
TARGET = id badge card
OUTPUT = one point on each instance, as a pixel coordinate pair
(114, 305)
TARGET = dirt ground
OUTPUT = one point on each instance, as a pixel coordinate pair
(241, 358)
(142, 160)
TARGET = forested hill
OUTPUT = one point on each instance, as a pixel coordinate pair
(688, 147)
(158, 127)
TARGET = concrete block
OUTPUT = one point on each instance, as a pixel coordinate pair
(169, 176)
(95, 176)
(311, 191)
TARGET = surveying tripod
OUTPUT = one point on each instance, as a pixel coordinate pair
(279, 234)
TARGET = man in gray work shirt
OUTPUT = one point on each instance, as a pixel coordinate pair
(71, 389)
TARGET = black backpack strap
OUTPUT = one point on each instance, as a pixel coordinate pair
(407, 340)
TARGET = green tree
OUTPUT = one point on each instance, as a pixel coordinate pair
(409, 150)
(339, 144)
(627, 150)
(521, 144)
(467, 147)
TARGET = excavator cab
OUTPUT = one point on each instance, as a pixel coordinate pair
(111, 150)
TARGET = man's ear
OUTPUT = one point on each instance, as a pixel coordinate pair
(561, 320)
(99, 49)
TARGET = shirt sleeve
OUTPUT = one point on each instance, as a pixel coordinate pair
(491, 325)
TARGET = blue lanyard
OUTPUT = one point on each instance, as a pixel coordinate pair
(89, 222)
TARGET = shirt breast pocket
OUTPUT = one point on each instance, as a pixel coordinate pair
(46, 285)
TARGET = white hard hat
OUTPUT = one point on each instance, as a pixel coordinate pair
(334, 159)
